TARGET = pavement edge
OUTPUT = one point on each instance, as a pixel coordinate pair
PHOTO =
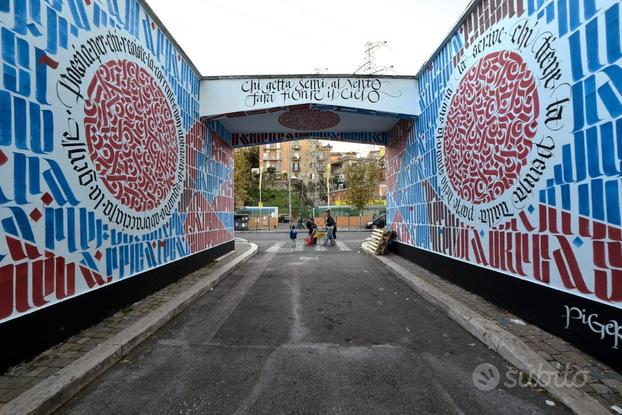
(53, 392)
(507, 345)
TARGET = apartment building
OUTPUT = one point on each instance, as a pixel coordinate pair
(308, 159)
(275, 156)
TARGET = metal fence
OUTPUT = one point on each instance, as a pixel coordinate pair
(347, 218)
(260, 218)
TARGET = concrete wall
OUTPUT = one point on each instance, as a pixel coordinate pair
(106, 171)
(515, 162)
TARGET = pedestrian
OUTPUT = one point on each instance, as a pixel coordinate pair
(293, 233)
(310, 226)
(330, 226)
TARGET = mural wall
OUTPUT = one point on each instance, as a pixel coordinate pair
(515, 162)
(105, 169)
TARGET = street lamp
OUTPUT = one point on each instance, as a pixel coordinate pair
(289, 188)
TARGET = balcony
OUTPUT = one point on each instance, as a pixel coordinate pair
(271, 156)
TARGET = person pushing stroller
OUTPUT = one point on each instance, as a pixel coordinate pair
(330, 227)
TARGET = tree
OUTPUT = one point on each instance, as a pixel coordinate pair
(269, 177)
(253, 156)
(241, 177)
(361, 183)
(334, 183)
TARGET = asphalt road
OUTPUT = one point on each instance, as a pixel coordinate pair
(310, 331)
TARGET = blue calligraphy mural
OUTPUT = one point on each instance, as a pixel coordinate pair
(106, 170)
(515, 162)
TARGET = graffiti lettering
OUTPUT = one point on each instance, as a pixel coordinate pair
(546, 57)
(282, 91)
(522, 34)
(154, 112)
(612, 328)
(554, 111)
(464, 210)
(490, 39)
(490, 216)
(528, 181)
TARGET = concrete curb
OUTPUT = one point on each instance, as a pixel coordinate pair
(506, 344)
(53, 392)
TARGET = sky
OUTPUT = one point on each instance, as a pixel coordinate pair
(251, 37)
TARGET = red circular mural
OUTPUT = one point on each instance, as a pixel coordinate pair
(491, 122)
(131, 135)
(309, 119)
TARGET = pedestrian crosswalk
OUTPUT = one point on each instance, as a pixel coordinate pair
(342, 246)
(276, 247)
(285, 247)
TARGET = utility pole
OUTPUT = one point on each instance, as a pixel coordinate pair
(328, 182)
(289, 185)
(260, 181)
(369, 66)
(315, 186)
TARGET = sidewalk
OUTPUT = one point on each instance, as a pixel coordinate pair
(603, 383)
(47, 381)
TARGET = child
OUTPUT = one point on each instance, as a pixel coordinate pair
(293, 233)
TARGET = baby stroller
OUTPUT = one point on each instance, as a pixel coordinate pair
(315, 236)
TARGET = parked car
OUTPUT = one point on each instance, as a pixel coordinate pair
(379, 222)
(284, 219)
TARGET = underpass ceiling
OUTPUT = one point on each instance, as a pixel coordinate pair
(264, 109)
(308, 118)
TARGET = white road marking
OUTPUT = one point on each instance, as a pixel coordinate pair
(275, 247)
(284, 247)
(342, 246)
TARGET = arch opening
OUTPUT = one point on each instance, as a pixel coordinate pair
(251, 111)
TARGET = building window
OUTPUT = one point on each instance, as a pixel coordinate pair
(296, 166)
